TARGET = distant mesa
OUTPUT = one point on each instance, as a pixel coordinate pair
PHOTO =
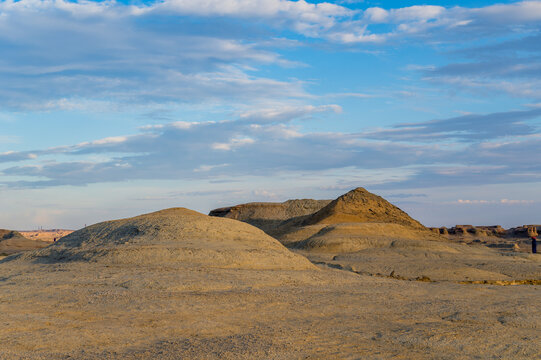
(13, 241)
(49, 235)
(174, 237)
(526, 230)
(493, 230)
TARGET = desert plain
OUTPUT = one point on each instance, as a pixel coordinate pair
(351, 278)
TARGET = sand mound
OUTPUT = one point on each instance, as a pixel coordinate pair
(361, 206)
(173, 237)
(267, 215)
(12, 242)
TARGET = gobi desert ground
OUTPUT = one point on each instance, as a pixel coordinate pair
(352, 278)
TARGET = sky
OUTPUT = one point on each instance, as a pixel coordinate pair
(110, 109)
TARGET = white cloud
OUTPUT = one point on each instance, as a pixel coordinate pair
(524, 11)
(258, 8)
(241, 147)
(207, 168)
(273, 115)
(417, 13)
(110, 140)
(233, 144)
(306, 18)
(376, 15)
(123, 59)
(487, 202)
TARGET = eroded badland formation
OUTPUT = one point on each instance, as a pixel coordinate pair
(351, 278)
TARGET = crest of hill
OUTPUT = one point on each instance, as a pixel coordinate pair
(13, 241)
(361, 206)
(172, 237)
(268, 215)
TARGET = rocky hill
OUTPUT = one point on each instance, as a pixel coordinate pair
(333, 224)
(355, 220)
(361, 206)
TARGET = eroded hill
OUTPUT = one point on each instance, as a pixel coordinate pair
(268, 215)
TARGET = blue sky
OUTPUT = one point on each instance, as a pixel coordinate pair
(112, 109)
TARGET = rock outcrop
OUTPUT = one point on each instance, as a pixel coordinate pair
(494, 230)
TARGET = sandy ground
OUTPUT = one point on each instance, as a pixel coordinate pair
(434, 261)
(90, 311)
(162, 286)
(502, 243)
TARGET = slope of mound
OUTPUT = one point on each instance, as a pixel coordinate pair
(410, 259)
(12, 242)
(267, 215)
(352, 237)
(173, 237)
(361, 206)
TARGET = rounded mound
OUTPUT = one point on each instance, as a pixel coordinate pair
(173, 237)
